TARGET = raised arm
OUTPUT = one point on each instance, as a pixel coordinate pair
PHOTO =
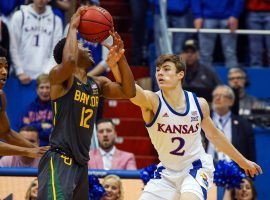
(125, 88)
(222, 144)
(63, 72)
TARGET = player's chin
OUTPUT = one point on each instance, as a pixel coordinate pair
(163, 86)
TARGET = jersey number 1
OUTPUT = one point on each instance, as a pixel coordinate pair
(85, 116)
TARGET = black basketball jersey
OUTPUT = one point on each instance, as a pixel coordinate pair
(74, 117)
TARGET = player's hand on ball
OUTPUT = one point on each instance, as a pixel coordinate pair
(75, 19)
(37, 151)
(251, 168)
(117, 39)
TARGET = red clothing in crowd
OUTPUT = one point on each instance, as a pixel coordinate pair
(258, 5)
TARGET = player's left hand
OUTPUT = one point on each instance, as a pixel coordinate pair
(251, 168)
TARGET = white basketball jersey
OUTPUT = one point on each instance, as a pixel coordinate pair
(177, 136)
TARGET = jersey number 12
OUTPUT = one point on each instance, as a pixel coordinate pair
(85, 117)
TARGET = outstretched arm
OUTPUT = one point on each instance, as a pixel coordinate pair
(148, 101)
(9, 149)
(125, 85)
(220, 141)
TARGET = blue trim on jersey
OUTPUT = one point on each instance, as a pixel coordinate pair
(156, 115)
(198, 105)
(197, 164)
(172, 110)
(0, 103)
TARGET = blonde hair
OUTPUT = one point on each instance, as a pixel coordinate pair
(28, 192)
(116, 178)
(42, 78)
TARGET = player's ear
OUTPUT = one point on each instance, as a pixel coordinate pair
(181, 74)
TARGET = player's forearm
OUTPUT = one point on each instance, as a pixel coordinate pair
(222, 144)
(8, 149)
(14, 138)
(128, 83)
(70, 51)
(116, 73)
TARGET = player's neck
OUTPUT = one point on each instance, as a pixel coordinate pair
(81, 74)
(175, 97)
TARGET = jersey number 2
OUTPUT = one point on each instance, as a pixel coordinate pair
(85, 116)
(178, 151)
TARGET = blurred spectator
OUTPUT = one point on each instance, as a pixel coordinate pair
(31, 193)
(258, 18)
(60, 7)
(34, 33)
(178, 16)
(220, 14)
(247, 191)
(237, 130)
(4, 38)
(237, 79)
(39, 113)
(107, 156)
(113, 187)
(30, 134)
(7, 8)
(197, 75)
(138, 10)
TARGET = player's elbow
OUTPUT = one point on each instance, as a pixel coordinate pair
(130, 94)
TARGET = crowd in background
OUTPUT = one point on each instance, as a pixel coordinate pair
(29, 31)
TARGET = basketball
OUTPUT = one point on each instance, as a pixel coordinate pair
(95, 24)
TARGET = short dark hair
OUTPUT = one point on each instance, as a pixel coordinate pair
(3, 52)
(58, 50)
(105, 120)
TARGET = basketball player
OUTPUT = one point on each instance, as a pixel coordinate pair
(63, 172)
(14, 143)
(174, 119)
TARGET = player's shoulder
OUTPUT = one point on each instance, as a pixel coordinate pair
(153, 97)
(204, 106)
(100, 80)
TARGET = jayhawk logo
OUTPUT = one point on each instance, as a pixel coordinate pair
(205, 179)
